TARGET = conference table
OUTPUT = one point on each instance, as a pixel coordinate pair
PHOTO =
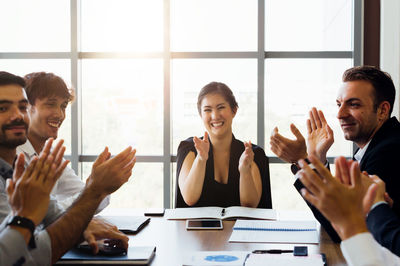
(173, 241)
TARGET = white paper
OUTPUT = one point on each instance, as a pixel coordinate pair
(193, 213)
(216, 213)
(217, 258)
(274, 232)
(284, 259)
(245, 212)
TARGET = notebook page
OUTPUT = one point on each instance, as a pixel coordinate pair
(193, 213)
(245, 212)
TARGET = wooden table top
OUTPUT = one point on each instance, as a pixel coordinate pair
(173, 241)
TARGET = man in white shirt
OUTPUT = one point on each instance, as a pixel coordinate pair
(49, 97)
(345, 200)
(63, 229)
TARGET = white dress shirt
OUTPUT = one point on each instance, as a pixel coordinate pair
(363, 250)
(360, 153)
(14, 251)
(68, 186)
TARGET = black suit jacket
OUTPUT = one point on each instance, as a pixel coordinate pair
(385, 227)
(382, 158)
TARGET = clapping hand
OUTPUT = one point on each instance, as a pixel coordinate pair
(246, 159)
(29, 190)
(202, 147)
(342, 203)
(286, 149)
(320, 135)
(109, 174)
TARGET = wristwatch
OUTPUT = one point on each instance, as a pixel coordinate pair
(25, 223)
(295, 167)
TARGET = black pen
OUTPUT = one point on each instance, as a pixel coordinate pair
(271, 251)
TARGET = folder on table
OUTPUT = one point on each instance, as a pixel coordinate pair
(135, 255)
(128, 224)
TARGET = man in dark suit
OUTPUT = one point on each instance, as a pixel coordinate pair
(345, 200)
(365, 104)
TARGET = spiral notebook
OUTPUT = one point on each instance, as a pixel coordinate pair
(275, 232)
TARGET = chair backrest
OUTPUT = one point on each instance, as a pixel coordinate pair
(266, 200)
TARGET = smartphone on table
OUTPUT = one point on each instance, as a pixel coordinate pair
(204, 224)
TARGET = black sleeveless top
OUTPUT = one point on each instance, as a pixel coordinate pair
(218, 194)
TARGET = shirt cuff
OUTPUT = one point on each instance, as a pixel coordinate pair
(377, 204)
(12, 246)
(42, 253)
(361, 249)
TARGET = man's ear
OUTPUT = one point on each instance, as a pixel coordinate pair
(383, 110)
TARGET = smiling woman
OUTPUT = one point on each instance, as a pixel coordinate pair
(217, 169)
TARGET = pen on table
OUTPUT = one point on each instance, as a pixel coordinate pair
(223, 212)
(271, 251)
(245, 259)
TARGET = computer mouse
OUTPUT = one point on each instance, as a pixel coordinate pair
(108, 247)
(112, 247)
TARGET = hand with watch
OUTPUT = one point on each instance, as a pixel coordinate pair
(28, 192)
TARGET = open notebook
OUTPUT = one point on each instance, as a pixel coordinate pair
(220, 213)
(275, 232)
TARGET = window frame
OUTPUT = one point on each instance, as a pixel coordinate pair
(168, 156)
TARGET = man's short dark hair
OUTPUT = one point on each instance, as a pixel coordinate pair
(11, 79)
(40, 85)
(381, 81)
(217, 88)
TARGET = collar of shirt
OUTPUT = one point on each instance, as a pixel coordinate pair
(28, 150)
(360, 153)
(6, 170)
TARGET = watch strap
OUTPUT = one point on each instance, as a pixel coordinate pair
(25, 223)
(295, 167)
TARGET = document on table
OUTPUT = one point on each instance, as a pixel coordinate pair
(220, 213)
(284, 259)
(275, 232)
(215, 258)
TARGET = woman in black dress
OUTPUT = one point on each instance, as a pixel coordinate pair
(217, 169)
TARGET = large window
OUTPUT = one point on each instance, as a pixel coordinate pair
(138, 65)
